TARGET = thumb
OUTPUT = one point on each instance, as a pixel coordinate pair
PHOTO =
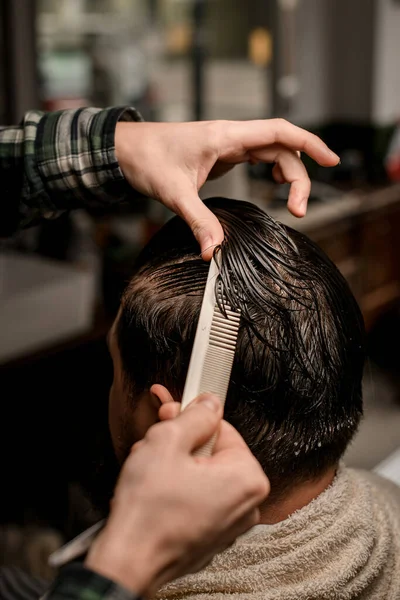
(204, 224)
(229, 439)
(199, 421)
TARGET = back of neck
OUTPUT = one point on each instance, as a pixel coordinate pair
(275, 511)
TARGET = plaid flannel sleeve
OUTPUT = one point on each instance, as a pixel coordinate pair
(75, 582)
(57, 161)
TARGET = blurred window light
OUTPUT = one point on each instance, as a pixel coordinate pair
(260, 47)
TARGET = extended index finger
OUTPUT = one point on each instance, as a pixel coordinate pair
(260, 133)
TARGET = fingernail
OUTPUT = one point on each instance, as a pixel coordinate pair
(212, 402)
(208, 245)
(303, 205)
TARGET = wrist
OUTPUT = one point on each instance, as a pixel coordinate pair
(122, 148)
(75, 580)
(131, 564)
(127, 135)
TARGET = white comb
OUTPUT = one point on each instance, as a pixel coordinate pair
(213, 351)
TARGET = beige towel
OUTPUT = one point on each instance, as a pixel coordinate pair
(343, 545)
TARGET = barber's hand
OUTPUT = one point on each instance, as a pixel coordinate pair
(171, 161)
(172, 511)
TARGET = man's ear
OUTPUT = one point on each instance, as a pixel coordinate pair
(168, 408)
(160, 395)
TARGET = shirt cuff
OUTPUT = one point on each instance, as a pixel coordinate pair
(76, 582)
(76, 160)
(107, 155)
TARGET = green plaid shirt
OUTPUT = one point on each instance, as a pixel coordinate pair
(75, 582)
(56, 161)
(50, 163)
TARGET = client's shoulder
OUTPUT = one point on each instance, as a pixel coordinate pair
(379, 486)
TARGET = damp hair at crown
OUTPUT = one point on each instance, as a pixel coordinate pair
(265, 276)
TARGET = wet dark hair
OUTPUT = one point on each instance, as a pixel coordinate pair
(295, 392)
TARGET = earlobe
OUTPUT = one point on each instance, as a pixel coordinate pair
(161, 394)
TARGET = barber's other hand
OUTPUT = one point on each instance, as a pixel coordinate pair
(172, 511)
(171, 161)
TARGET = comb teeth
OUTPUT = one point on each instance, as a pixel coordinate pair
(224, 330)
(218, 361)
(220, 352)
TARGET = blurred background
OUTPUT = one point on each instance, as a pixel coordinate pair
(331, 66)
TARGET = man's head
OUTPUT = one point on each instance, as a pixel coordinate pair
(295, 391)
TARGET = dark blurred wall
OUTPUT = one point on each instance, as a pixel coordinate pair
(335, 41)
(228, 24)
(2, 66)
(347, 61)
(386, 92)
(18, 59)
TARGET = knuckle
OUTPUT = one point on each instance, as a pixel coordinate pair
(305, 181)
(262, 488)
(170, 431)
(278, 124)
(214, 132)
(136, 447)
(316, 139)
(154, 434)
(207, 417)
(258, 486)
